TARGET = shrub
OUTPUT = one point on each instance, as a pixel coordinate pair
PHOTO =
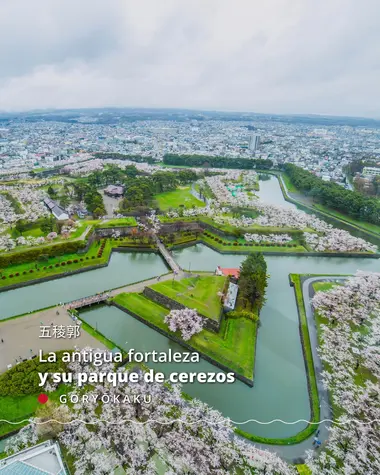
(235, 243)
(31, 271)
(243, 314)
(3, 277)
(63, 263)
(75, 261)
(45, 268)
(50, 267)
(81, 259)
(23, 378)
(24, 272)
(10, 275)
(17, 274)
(92, 257)
(87, 258)
(57, 264)
(69, 262)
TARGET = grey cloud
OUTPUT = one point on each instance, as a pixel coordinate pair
(278, 56)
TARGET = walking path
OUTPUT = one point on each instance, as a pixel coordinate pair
(168, 257)
(21, 336)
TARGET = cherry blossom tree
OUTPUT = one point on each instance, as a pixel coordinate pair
(186, 437)
(186, 320)
(351, 353)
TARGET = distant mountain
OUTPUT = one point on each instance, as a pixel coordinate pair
(114, 115)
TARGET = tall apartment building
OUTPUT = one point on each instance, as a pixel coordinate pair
(254, 142)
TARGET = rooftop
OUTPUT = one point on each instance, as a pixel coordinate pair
(41, 459)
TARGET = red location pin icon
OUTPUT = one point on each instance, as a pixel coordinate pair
(43, 398)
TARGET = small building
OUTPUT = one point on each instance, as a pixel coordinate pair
(41, 459)
(228, 271)
(231, 296)
(371, 171)
(115, 191)
(56, 210)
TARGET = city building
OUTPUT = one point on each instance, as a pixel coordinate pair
(231, 296)
(57, 211)
(228, 271)
(371, 171)
(254, 142)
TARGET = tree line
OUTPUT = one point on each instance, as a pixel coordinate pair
(206, 161)
(334, 196)
(253, 280)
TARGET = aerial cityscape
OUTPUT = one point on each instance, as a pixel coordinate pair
(189, 238)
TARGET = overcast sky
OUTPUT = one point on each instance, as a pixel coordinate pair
(279, 56)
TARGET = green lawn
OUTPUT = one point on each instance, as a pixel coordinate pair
(200, 293)
(128, 221)
(322, 286)
(16, 409)
(173, 199)
(233, 346)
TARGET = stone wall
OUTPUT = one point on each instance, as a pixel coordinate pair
(171, 304)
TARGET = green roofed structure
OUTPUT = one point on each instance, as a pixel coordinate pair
(41, 459)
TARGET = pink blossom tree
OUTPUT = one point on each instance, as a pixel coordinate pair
(186, 320)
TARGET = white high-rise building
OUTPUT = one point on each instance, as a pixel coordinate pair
(254, 142)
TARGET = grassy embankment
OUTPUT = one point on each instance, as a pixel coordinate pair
(239, 244)
(174, 199)
(228, 228)
(200, 293)
(57, 265)
(233, 346)
(373, 228)
(127, 221)
(54, 265)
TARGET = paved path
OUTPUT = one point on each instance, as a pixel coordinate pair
(22, 334)
(166, 254)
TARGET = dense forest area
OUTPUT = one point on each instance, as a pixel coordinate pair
(206, 161)
(334, 196)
